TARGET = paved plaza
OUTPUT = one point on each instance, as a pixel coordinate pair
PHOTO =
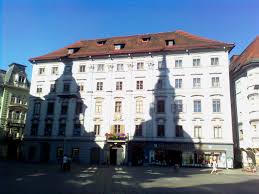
(25, 178)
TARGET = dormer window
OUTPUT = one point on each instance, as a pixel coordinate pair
(101, 42)
(170, 42)
(119, 46)
(72, 50)
(146, 39)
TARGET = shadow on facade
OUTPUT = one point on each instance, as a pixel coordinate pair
(57, 123)
(163, 140)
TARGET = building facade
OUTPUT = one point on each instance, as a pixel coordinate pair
(14, 92)
(244, 71)
(155, 99)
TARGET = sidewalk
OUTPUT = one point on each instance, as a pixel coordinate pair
(237, 172)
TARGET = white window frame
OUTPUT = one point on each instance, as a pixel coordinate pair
(139, 84)
(140, 65)
(178, 83)
(178, 63)
(196, 62)
(197, 82)
(120, 67)
(215, 82)
(197, 131)
(197, 106)
(119, 85)
(99, 86)
(216, 106)
(214, 61)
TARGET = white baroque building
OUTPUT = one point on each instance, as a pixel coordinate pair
(244, 73)
(146, 99)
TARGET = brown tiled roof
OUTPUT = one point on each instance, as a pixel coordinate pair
(135, 44)
(249, 55)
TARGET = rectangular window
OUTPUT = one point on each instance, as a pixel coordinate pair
(178, 83)
(138, 130)
(139, 106)
(140, 66)
(178, 63)
(36, 108)
(39, 89)
(196, 62)
(178, 106)
(66, 87)
(119, 46)
(79, 107)
(77, 127)
(196, 82)
(99, 86)
(216, 105)
(81, 87)
(160, 130)
(170, 42)
(117, 129)
(217, 132)
(179, 131)
(119, 85)
(62, 128)
(64, 108)
(12, 99)
(118, 106)
(160, 84)
(197, 132)
(214, 61)
(97, 129)
(51, 108)
(139, 85)
(48, 128)
(215, 82)
(52, 87)
(160, 106)
(82, 68)
(100, 67)
(120, 67)
(41, 71)
(197, 106)
(54, 70)
(34, 128)
(98, 106)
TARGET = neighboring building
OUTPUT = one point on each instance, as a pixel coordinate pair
(244, 74)
(153, 98)
(14, 92)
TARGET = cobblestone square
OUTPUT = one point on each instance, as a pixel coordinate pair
(48, 178)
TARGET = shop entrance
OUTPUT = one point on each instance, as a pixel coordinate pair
(116, 155)
(45, 152)
(174, 157)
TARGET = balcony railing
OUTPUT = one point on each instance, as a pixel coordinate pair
(116, 137)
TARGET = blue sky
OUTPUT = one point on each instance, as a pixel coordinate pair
(30, 28)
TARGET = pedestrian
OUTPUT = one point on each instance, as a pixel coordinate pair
(214, 167)
(65, 162)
